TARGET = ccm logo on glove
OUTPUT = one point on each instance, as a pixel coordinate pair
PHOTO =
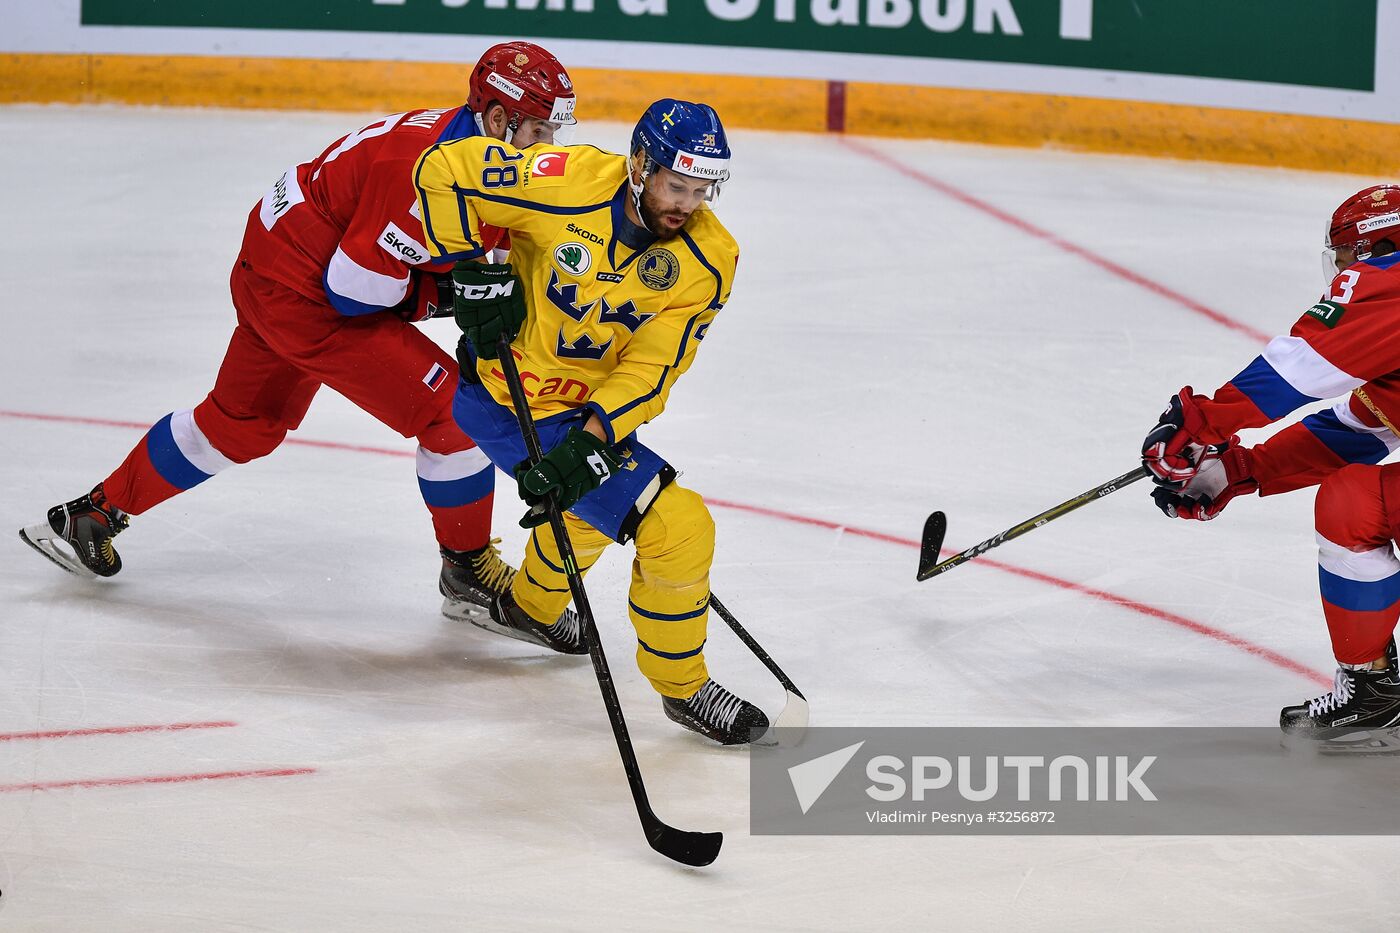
(600, 467)
(483, 292)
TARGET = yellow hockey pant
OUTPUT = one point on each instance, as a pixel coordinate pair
(669, 598)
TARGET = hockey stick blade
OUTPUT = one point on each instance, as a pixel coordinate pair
(790, 728)
(937, 526)
(795, 712)
(935, 530)
(684, 846)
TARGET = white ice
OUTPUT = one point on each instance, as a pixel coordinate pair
(888, 350)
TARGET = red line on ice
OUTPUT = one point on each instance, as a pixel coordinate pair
(144, 426)
(1215, 634)
(155, 779)
(1026, 227)
(113, 730)
(1219, 635)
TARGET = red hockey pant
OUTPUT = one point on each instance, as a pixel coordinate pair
(284, 348)
(1358, 512)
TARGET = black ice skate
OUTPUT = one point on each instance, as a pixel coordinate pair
(717, 714)
(506, 618)
(87, 526)
(1360, 715)
(471, 580)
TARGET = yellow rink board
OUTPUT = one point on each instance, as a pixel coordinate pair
(1000, 118)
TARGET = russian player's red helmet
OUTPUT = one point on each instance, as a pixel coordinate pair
(1370, 216)
(524, 79)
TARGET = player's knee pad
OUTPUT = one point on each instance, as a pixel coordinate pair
(240, 439)
(442, 435)
(676, 538)
(1349, 509)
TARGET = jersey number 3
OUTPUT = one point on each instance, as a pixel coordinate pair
(1346, 283)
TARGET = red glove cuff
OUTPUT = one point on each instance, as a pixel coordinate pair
(1239, 468)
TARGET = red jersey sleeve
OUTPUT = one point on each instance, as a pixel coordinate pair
(383, 243)
(1339, 344)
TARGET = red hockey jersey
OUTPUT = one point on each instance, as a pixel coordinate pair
(1348, 344)
(344, 228)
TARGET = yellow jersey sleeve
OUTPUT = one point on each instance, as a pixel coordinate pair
(636, 391)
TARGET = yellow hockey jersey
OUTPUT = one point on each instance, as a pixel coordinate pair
(609, 328)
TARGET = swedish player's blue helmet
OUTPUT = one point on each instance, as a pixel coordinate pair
(686, 138)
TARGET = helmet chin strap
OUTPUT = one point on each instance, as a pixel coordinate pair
(637, 189)
(511, 126)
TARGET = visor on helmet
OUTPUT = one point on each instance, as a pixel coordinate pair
(701, 168)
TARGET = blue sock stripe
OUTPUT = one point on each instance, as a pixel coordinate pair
(669, 656)
(1356, 596)
(449, 493)
(663, 617)
(170, 462)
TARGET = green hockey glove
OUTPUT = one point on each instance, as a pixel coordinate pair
(488, 301)
(575, 467)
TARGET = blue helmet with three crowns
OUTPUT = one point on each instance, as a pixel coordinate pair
(684, 137)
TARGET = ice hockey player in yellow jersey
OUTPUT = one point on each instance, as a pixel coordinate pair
(617, 268)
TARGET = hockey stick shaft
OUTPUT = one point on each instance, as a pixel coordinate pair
(754, 646)
(930, 567)
(792, 721)
(690, 848)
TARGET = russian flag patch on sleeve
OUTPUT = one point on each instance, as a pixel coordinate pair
(435, 376)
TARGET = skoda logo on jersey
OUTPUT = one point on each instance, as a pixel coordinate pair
(573, 258)
(658, 269)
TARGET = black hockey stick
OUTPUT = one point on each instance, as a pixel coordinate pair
(795, 713)
(688, 848)
(937, 526)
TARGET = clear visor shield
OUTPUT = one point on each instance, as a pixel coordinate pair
(1335, 259)
(698, 168)
(1330, 255)
(1329, 265)
(561, 134)
(558, 130)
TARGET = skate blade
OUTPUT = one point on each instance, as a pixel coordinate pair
(1373, 742)
(460, 610)
(1368, 742)
(42, 539)
(470, 612)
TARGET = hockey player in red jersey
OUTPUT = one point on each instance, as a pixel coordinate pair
(1347, 345)
(332, 273)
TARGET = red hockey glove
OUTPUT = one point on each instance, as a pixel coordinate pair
(1223, 472)
(429, 296)
(1170, 452)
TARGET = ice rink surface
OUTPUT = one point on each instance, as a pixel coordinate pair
(915, 325)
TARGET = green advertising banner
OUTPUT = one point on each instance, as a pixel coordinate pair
(1314, 43)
